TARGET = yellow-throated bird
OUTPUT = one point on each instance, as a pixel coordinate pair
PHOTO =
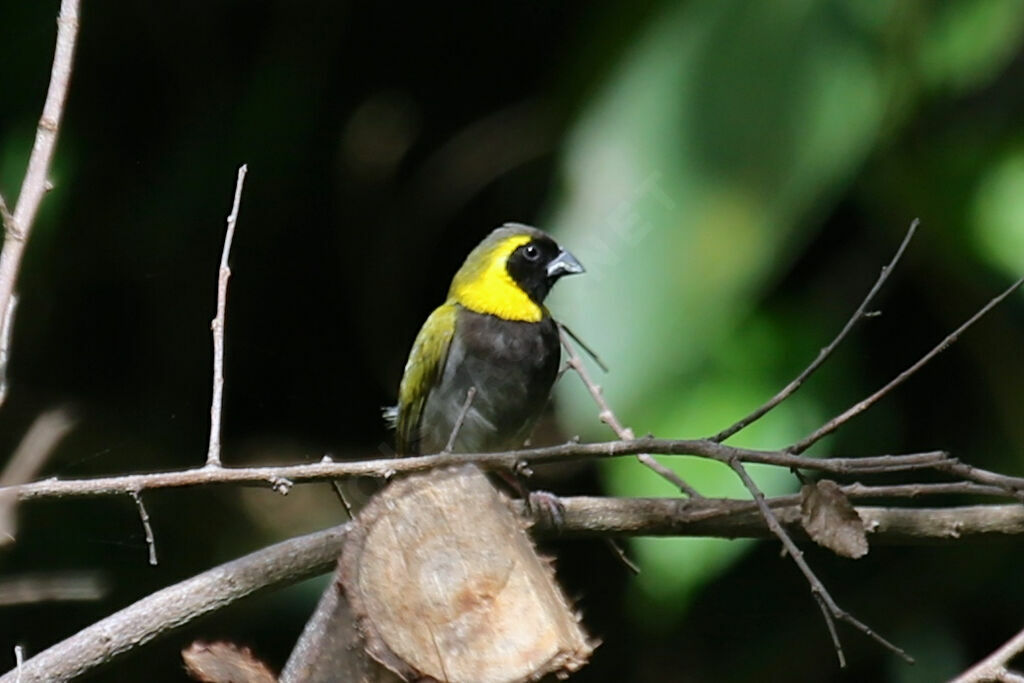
(492, 334)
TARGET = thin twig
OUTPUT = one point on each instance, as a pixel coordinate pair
(823, 354)
(858, 408)
(457, 427)
(6, 327)
(993, 667)
(620, 553)
(224, 273)
(583, 345)
(607, 416)
(144, 516)
(18, 226)
(818, 589)
(340, 492)
(830, 624)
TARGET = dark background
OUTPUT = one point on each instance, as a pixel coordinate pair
(383, 141)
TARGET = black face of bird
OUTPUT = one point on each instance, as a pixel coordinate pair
(537, 265)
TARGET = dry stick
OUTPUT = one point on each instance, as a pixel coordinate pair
(590, 517)
(213, 453)
(144, 516)
(1014, 486)
(860, 407)
(18, 225)
(828, 606)
(993, 667)
(823, 354)
(175, 606)
(384, 468)
(607, 416)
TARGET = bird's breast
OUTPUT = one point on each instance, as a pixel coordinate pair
(512, 365)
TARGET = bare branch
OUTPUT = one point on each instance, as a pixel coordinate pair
(858, 315)
(18, 225)
(732, 518)
(302, 557)
(993, 667)
(388, 467)
(213, 453)
(607, 416)
(1011, 485)
(828, 606)
(858, 408)
(162, 612)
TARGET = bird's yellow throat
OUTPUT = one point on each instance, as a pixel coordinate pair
(485, 286)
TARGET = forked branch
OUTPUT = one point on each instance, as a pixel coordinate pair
(861, 313)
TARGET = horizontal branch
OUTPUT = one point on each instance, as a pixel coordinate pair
(730, 518)
(299, 558)
(281, 478)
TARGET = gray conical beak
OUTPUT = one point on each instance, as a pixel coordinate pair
(564, 264)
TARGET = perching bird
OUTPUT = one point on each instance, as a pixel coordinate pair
(492, 338)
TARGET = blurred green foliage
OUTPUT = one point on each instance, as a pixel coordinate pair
(733, 175)
(693, 177)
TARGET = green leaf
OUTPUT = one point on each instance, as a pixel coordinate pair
(969, 43)
(691, 180)
(997, 215)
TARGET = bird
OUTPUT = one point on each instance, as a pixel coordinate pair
(481, 369)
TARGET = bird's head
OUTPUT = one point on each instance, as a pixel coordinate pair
(510, 272)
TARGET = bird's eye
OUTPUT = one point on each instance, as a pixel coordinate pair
(531, 252)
